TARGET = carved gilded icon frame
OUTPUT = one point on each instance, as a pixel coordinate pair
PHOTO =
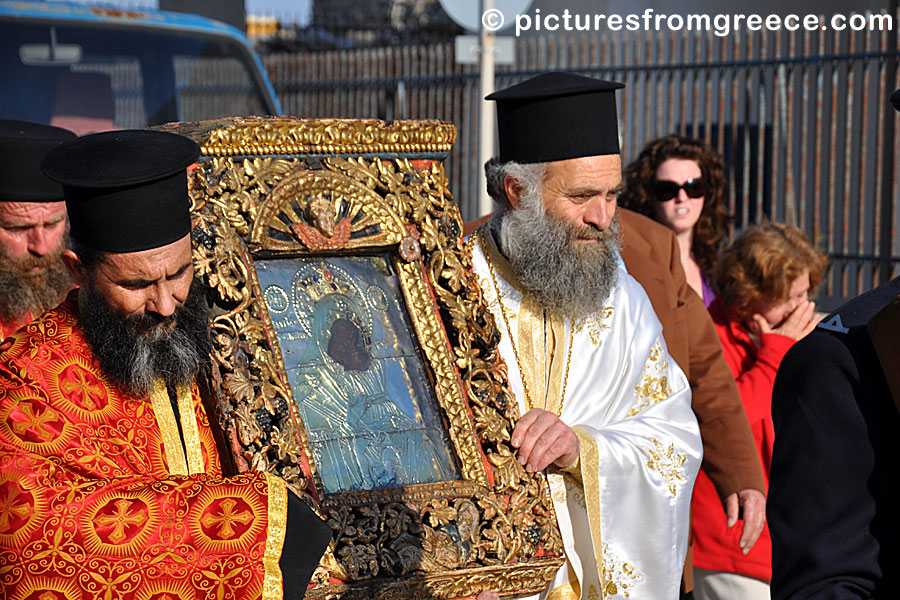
(319, 190)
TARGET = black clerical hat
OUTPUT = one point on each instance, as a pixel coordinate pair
(125, 191)
(556, 116)
(22, 147)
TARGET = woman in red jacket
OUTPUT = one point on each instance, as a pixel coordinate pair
(764, 280)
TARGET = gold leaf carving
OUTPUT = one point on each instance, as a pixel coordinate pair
(288, 135)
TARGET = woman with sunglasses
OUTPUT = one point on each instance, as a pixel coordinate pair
(680, 183)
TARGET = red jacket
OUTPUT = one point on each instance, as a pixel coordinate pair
(715, 545)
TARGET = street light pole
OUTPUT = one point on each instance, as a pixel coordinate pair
(486, 120)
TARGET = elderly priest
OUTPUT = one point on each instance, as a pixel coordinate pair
(32, 225)
(110, 481)
(606, 410)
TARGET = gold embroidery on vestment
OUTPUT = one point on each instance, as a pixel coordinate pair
(47, 586)
(275, 530)
(541, 339)
(168, 429)
(566, 591)
(619, 577)
(653, 386)
(118, 523)
(529, 345)
(162, 590)
(490, 296)
(590, 475)
(575, 489)
(76, 389)
(559, 370)
(30, 423)
(187, 411)
(22, 508)
(594, 324)
(558, 488)
(668, 463)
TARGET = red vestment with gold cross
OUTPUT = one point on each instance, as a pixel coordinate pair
(101, 495)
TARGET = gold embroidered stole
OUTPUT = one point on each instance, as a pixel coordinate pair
(541, 341)
(179, 463)
(275, 531)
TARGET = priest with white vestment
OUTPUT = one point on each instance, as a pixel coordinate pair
(605, 410)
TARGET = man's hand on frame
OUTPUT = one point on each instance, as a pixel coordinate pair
(543, 439)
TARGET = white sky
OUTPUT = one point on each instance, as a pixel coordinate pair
(295, 10)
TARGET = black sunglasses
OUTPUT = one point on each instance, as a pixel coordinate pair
(666, 190)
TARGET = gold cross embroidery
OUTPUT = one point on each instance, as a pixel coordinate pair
(10, 508)
(121, 519)
(37, 422)
(227, 517)
(83, 388)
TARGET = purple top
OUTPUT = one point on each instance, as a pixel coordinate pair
(708, 294)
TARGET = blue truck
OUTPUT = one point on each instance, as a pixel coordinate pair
(93, 68)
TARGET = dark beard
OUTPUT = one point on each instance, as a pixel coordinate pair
(25, 293)
(557, 271)
(135, 351)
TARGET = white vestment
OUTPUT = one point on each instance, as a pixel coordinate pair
(624, 510)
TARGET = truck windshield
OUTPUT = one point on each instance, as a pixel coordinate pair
(93, 78)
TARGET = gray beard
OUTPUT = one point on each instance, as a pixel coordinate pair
(558, 272)
(23, 293)
(136, 351)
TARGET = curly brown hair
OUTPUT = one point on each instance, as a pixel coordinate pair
(759, 267)
(714, 225)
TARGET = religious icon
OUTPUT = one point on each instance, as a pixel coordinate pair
(356, 372)
(355, 357)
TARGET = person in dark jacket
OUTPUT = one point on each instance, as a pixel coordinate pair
(834, 521)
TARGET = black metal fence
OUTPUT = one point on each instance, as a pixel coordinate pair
(801, 118)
